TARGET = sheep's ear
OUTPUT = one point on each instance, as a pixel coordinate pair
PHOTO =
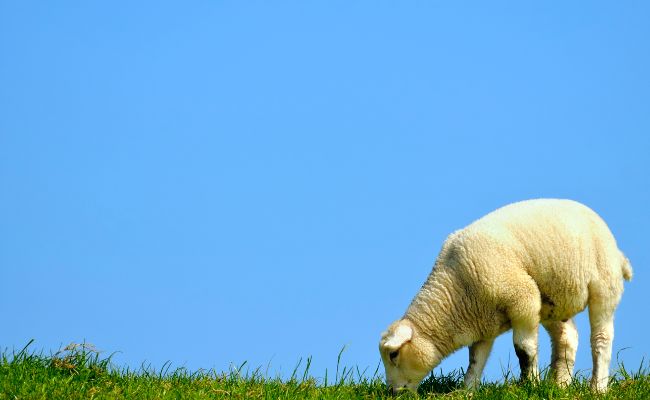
(401, 334)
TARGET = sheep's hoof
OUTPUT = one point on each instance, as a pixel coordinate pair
(599, 386)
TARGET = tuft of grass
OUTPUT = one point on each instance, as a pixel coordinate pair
(79, 372)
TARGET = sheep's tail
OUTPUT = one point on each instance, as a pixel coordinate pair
(627, 269)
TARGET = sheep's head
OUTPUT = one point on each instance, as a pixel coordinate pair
(408, 357)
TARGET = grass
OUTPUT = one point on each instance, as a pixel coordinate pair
(79, 372)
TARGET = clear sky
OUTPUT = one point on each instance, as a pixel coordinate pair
(224, 181)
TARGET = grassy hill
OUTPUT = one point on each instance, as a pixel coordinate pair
(78, 372)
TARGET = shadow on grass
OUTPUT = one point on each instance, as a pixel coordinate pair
(441, 384)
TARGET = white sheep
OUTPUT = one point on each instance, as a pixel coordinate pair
(536, 261)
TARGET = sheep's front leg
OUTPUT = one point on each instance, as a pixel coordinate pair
(478, 355)
(525, 341)
(523, 310)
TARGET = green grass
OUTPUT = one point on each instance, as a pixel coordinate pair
(79, 372)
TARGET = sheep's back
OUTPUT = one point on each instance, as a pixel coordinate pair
(561, 244)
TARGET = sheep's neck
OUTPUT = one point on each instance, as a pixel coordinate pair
(433, 311)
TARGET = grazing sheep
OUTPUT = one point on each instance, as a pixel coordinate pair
(537, 261)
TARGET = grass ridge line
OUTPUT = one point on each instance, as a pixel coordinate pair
(79, 372)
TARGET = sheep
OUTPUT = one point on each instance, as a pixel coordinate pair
(531, 262)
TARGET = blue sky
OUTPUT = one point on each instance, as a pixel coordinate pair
(229, 181)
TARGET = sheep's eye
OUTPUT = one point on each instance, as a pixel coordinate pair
(393, 355)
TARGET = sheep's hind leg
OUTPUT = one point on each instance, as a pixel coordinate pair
(564, 343)
(601, 319)
(478, 355)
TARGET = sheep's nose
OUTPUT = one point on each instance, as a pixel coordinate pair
(397, 390)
